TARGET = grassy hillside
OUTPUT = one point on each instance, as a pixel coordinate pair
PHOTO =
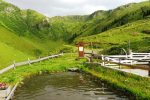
(105, 20)
(99, 21)
(31, 23)
(113, 40)
(18, 48)
(23, 34)
(65, 27)
(9, 48)
(27, 33)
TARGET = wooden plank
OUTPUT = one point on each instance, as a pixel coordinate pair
(132, 66)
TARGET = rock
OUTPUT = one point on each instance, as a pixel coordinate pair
(73, 69)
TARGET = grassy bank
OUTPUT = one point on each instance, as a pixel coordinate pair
(129, 83)
(51, 65)
(132, 84)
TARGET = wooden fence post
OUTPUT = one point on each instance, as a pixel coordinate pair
(130, 54)
(50, 57)
(40, 58)
(103, 60)
(29, 62)
(14, 64)
(119, 64)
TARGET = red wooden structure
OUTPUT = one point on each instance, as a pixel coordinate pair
(80, 46)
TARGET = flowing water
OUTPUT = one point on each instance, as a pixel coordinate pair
(65, 86)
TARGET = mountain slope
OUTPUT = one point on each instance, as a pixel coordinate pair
(18, 48)
(27, 33)
(106, 20)
(113, 40)
(20, 38)
(31, 23)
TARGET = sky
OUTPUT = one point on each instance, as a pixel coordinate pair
(52, 8)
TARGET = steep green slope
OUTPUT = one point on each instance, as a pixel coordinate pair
(23, 23)
(113, 40)
(19, 39)
(10, 17)
(18, 48)
(23, 34)
(99, 21)
(31, 23)
(27, 33)
(65, 27)
(9, 48)
(105, 20)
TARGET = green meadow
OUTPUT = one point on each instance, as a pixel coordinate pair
(133, 85)
(113, 40)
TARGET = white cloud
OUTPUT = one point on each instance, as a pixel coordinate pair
(73, 1)
(91, 8)
(69, 7)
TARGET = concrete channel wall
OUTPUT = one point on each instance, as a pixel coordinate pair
(115, 66)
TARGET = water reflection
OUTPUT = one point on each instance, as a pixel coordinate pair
(64, 86)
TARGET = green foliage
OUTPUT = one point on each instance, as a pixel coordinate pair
(112, 41)
(106, 20)
(37, 52)
(31, 23)
(31, 34)
(132, 84)
(49, 66)
(68, 49)
(23, 34)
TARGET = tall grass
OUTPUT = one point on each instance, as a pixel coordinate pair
(129, 83)
(51, 65)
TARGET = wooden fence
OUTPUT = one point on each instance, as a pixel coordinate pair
(131, 59)
(27, 62)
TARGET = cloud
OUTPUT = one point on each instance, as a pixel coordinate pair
(69, 7)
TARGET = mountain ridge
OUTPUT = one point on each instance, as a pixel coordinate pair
(36, 35)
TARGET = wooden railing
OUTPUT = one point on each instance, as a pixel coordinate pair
(28, 62)
(131, 59)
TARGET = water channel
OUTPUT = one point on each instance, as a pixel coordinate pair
(65, 86)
